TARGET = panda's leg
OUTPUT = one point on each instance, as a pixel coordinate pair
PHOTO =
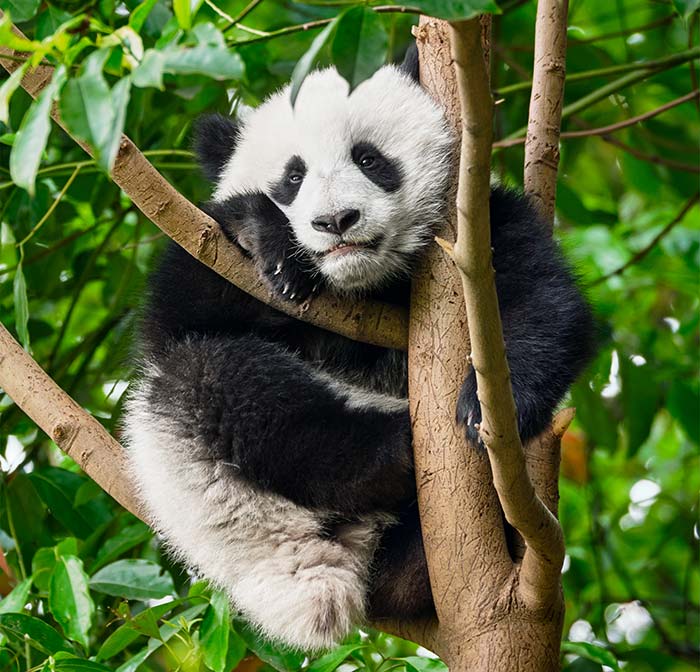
(547, 326)
(283, 425)
(269, 555)
(399, 586)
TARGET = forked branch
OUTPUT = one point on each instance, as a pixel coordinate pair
(472, 255)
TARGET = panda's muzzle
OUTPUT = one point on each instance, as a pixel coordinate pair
(337, 223)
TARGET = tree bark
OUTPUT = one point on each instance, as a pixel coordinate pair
(546, 100)
(496, 611)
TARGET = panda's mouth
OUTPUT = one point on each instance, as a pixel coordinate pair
(348, 247)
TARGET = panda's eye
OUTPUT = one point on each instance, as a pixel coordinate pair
(295, 178)
(367, 161)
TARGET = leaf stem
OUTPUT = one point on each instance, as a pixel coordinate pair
(611, 128)
(319, 23)
(52, 207)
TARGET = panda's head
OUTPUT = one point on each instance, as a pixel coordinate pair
(361, 177)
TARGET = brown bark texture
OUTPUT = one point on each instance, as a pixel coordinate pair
(368, 321)
(546, 100)
(499, 606)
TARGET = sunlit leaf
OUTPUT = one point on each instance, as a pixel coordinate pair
(33, 134)
(8, 87)
(332, 661)
(214, 632)
(15, 600)
(134, 580)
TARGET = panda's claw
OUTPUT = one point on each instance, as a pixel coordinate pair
(278, 269)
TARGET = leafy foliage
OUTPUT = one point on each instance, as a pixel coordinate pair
(85, 584)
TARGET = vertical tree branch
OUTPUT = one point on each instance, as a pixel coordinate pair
(546, 100)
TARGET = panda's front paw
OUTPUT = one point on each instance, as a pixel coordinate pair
(288, 280)
(469, 410)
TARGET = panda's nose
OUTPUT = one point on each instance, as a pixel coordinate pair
(338, 223)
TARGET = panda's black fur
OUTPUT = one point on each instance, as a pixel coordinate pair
(261, 396)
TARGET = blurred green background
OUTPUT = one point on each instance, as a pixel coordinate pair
(86, 585)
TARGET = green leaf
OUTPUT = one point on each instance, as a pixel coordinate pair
(360, 44)
(277, 656)
(131, 630)
(86, 107)
(120, 99)
(15, 600)
(21, 10)
(33, 134)
(69, 599)
(73, 664)
(217, 63)
(306, 62)
(185, 11)
(133, 580)
(19, 290)
(419, 664)
(57, 488)
(39, 635)
(332, 661)
(641, 396)
(683, 404)
(9, 86)
(214, 632)
(686, 7)
(453, 10)
(592, 652)
(166, 632)
(138, 17)
(120, 543)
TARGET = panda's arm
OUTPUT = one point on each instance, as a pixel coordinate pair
(256, 406)
(547, 325)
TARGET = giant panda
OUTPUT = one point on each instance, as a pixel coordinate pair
(272, 456)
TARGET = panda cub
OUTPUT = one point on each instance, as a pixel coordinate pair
(275, 457)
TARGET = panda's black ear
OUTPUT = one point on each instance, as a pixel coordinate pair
(214, 140)
(410, 63)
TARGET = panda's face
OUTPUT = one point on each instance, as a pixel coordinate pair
(360, 177)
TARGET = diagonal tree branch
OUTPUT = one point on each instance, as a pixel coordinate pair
(368, 321)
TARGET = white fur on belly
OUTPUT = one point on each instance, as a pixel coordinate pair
(263, 550)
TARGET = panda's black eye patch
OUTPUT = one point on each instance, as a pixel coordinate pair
(384, 172)
(285, 190)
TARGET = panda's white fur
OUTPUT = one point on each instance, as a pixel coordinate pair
(391, 111)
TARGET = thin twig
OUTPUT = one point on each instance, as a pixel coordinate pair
(652, 158)
(641, 254)
(611, 128)
(319, 23)
(666, 62)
